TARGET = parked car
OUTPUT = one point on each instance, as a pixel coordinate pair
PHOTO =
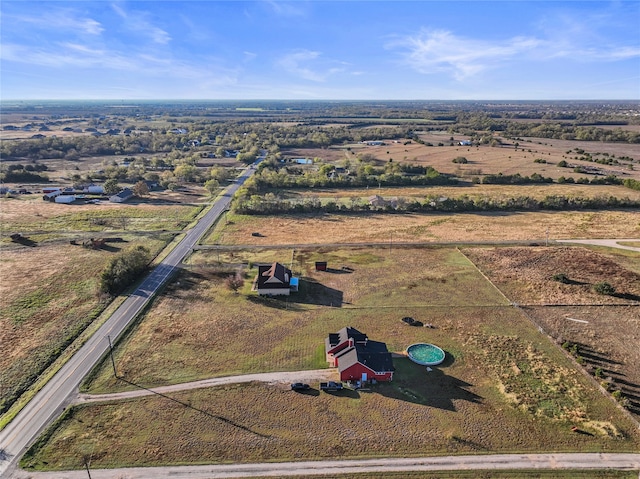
(331, 386)
(299, 387)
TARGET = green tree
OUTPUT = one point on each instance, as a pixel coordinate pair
(140, 189)
(211, 186)
(111, 186)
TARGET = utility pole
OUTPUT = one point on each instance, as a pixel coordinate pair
(86, 465)
(113, 363)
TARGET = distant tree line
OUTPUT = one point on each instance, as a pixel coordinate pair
(19, 173)
(272, 204)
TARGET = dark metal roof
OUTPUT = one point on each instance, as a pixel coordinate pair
(274, 276)
(373, 355)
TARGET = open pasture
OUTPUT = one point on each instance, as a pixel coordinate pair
(485, 159)
(49, 289)
(426, 228)
(30, 214)
(607, 332)
(501, 375)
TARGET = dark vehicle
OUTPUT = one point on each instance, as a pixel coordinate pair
(331, 386)
(299, 387)
(411, 322)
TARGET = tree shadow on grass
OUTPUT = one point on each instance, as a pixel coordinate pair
(627, 296)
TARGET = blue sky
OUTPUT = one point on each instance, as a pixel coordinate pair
(367, 50)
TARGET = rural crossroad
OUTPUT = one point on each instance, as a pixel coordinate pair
(51, 400)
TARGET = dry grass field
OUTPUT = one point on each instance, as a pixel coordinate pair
(607, 331)
(504, 386)
(485, 159)
(49, 288)
(427, 228)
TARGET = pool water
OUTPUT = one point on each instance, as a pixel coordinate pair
(425, 354)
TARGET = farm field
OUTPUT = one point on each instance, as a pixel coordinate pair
(484, 159)
(500, 375)
(49, 292)
(419, 228)
(606, 329)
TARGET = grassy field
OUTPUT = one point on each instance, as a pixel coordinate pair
(418, 228)
(539, 192)
(50, 292)
(504, 386)
(484, 159)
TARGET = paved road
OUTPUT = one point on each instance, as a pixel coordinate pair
(629, 462)
(49, 403)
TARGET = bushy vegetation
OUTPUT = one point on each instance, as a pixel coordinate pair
(561, 278)
(517, 179)
(19, 173)
(604, 288)
(124, 269)
(271, 203)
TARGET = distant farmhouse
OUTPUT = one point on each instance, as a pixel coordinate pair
(357, 357)
(121, 197)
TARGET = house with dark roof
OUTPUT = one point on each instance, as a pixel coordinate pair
(273, 279)
(357, 357)
(121, 197)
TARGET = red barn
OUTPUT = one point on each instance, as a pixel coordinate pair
(357, 357)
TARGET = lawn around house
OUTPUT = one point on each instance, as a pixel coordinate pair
(504, 386)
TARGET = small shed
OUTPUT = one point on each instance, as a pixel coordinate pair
(321, 265)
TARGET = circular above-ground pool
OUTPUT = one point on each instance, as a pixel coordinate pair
(425, 354)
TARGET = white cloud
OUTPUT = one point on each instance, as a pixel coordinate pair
(438, 51)
(60, 20)
(297, 63)
(249, 56)
(138, 22)
(286, 9)
(433, 51)
(84, 59)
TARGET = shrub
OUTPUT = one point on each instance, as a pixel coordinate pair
(123, 270)
(604, 288)
(460, 159)
(234, 282)
(561, 278)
